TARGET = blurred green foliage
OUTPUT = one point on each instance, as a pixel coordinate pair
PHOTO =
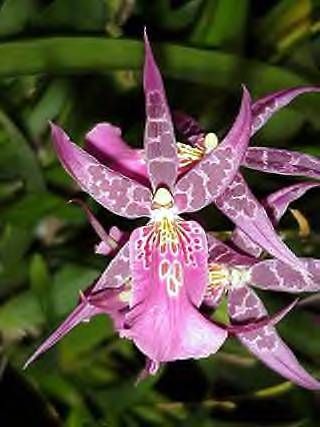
(78, 62)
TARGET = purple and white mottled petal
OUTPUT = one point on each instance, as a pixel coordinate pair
(117, 193)
(282, 162)
(105, 143)
(119, 238)
(264, 108)
(118, 271)
(220, 252)
(277, 276)
(214, 295)
(239, 204)
(160, 147)
(168, 282)
(276, 205)
(188, 127)
(85, 310)
(210, 177)
(245, 306)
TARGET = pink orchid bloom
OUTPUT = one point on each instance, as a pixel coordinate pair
(234, 274)
(237, 202)
(167, 258)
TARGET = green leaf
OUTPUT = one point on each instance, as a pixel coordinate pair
(20, 155)
(15, 15)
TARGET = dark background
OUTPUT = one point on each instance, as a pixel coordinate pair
(78, 62)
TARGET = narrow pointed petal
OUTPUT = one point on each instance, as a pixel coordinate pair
(117, 193)
(265, 343)
(239, 204)
(262, 322)
(83, 312)
(276, 205)
(159, 140)
(188, 127)
(221, 253)
(105, 143)
(275, 275)
(282, 162)
(210, 177)
(264, 108)
(168, 282)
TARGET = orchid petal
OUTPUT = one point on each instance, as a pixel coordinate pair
(160, 147)
(264, 108)
(86, 309)
(282, 162)
(275, 275)
(265, 343)
(119, 238)
(113, 281)
(221, 253)
(239, 204)
(105, 143)
(188, 127)
(117, 193)
(210, 177)
(276, 205)
(214, 295)
(168, 281)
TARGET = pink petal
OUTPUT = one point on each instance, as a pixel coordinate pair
(188, 127)
(105, 143)
(159, 141)
(282, 162)
(83, 313)
(221, 253)
(275, 275)
(117, 193)
(276, 205)
(239, 204)
(169, 281)
(244, 305)
(210, 177)
(118, 236)
(264, 108)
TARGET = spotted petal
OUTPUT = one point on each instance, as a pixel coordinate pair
(117, 193)
(240, 205)
(210, 177)
(105, 143)
(169, 281)
(265, 343)
(220, 252)
(282, 162)
(276, 205)
(159, 140)
(275, 275)
(188, 127)
(264, 108)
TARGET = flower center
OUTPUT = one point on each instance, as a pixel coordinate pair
(189, 154)
(221, 275)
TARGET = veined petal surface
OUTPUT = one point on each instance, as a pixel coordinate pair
(117, 193)
(160, 148)
(275, 275)
(210, 177)
(264, 108)
(169, 278)
(265, 343)
(239, 204)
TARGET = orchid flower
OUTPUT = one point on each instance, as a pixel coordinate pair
(235, 274)
(237, 201)
(167, 258)
(229, 273)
